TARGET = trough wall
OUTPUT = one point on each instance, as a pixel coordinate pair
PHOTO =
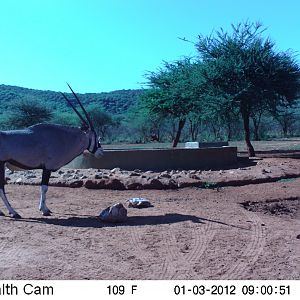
(212, 144)
(159, 159)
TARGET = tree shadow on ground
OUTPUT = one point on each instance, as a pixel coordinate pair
(277, 153)
(95, 222)
(241, 162)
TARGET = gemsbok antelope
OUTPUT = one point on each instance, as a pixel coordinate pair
(47, 147)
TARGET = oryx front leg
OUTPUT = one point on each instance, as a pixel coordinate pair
(11, 211)
(44, 188)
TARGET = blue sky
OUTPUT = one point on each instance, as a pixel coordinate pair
(107, 45)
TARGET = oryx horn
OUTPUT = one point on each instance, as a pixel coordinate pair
(76, 111)
(84, 111)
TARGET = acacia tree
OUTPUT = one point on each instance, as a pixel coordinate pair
(219, 112)
(195, 121)
(143, 125)
(286, 118)
(174, 92)
(102, 120)
(28, 112)
(247, 72)
(256, 116)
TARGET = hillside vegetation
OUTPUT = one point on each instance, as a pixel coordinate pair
(121, 119)
(115, 102)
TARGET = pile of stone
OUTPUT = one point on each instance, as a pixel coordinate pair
(266, 170)
(105, 179)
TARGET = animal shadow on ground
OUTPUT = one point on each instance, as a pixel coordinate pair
(95, 222)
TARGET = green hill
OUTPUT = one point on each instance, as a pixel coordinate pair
(115, 102)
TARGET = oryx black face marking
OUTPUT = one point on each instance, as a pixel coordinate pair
(47, 147)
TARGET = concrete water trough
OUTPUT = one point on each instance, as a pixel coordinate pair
(159, 159)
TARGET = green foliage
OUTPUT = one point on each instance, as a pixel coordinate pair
(108, 109)
(174, 89)
(102, 120)
(115, 102)
(209, 185)
(3, 122)
(143, 123)
(286, 118)
(66, 118)
(28, 112)
(243, 71)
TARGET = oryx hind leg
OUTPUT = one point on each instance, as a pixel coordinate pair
(11, 211)
(44, 188)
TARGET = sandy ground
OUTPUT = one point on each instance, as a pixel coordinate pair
(190, 233)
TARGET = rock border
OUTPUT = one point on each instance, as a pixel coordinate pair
(260, 171)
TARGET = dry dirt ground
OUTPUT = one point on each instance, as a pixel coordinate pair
(245, 232)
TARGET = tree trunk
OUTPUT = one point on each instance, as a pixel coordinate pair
(158, 135)
(171, 131)
(214, 129)
(246, 121)
(256, 128)
(256, 119)
(178, 133)
(229, 131)
(193, 130)
(285, 128)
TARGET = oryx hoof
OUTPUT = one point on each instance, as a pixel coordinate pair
(16, 216)
(1, 214)
(47, 213)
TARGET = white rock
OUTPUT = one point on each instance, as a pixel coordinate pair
(139, 203)
(114, 214)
